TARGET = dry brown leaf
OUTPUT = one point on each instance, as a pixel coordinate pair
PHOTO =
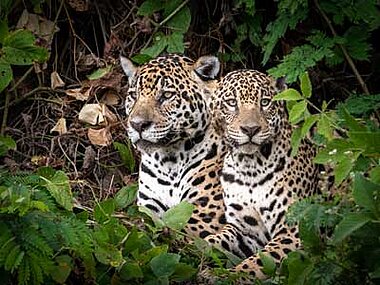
(60, 127)
(92, 114)
(111, 117)
(79, 93)
(56, 80)
(100, 137)
(89, 158)
(110, 98)
(39, 26)
(78, 5)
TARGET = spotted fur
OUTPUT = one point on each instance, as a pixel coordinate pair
(169, 121)
(259, 176)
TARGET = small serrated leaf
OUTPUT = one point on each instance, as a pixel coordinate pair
(288, 95)
(6, 74)
(297, 111)
(295, 141)
(99, 73)
(305, 85)
(126, 196)
(164, 264)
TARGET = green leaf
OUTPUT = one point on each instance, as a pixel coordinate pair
(141, 58)
(177, 216)
(309, 122)
(126, 196)
(61, 272)
(3, 29)
(19, 49)
(269, 266)
(297, 111)
(175, 43)
(148, 7)
(109, 255)
(288, 95)
(295, 141)
(351, 122)
(180, 21)
(59, 188)
(6, 143)
(366, 193)
(164, 265)
(6, 74)
(342, 169)
(369, 141)
(375, 175)
(183, 272)
(350, 223)
(299, 268)
(104, 210)
(305, 85)
(99, 73)
(324, 127)
(159, 45)
(126, 155)
(131, 270)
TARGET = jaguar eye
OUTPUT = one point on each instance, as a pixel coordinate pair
(264, 102)
(168, 95)
(231, 102)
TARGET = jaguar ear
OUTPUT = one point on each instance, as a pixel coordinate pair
(207, 67)
(129, 68)
(281, 84)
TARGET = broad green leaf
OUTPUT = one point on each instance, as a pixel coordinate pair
(183, 272)
(61, 272)
(177, 216)
(104, 210)
(3, 30)
(19, 48)
(366, 193)
(126, 155)
(297, 111)
(175, 43)
(164, 264)
(141, 58)
(342, 169)
(324, 127)
(6, 74)
(99, 73)
(375, 175)
(59, 188)
(350, 223)
(288, 95)
(295, 141)
(369, 141)
(157, 222)
(352, 123)
(305, 85)
(6, 143)
(148, 7)
(131, 270)
(180, 21)
(109, 254)
(299, 268)
(126, 196)
(159, 45)
(269, 266)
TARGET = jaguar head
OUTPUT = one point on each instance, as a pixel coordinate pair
(168, 99)
(244, 105)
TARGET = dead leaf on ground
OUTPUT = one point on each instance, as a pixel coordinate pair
(78, 5)
(89, 158)
(92, 114)
(56, 80)
(110, 98)
(60, 127)
(81, 94)
(39, 26)
(111, 117)
(101, 137)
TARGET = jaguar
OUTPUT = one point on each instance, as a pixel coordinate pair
(169, 120)
(260, 177)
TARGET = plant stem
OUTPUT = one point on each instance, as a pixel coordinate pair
(344, 50)
(5, 114)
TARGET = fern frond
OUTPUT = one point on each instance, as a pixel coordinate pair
(23, 276)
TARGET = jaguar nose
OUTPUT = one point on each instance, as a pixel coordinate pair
(140, 125)
(250, 131)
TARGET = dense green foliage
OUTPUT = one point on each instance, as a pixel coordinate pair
(47, 236)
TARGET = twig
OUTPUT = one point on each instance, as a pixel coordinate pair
(101, 23)
(345, 53)
(5, 114)
(67, 157)
(21, 79)
(172, 14)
